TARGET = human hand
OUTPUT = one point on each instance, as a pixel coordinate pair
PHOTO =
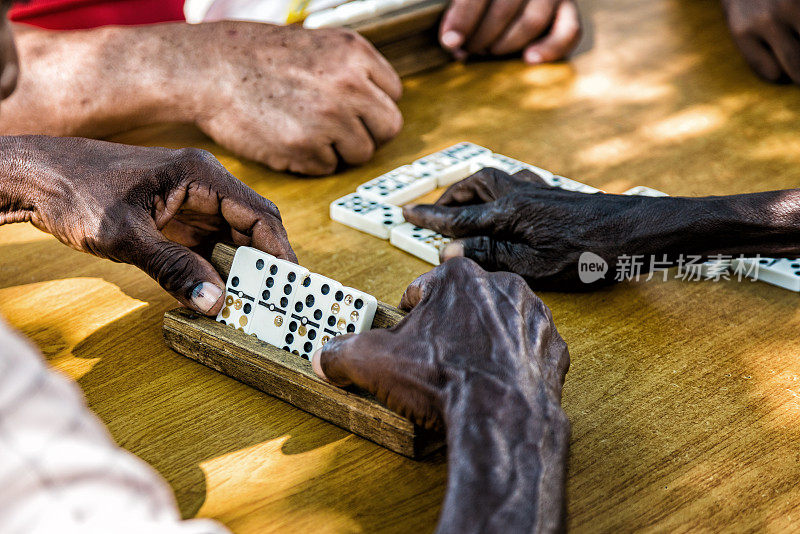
(545, 30)
(144, 206)
(520, 224)
(766, 31)
(452, 342)
(295, 99)
(479, 355)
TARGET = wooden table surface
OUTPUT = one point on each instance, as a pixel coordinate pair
(683, 396)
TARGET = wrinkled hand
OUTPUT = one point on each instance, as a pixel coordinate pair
(467, 329)
(479, 355)
(297, 99)
(144, 206)
(766, 31)
(520, 224)
(545, 30)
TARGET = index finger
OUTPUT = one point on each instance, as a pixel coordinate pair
(381, 72)
(486, 185)
(352, 359)
(254, 220)
(457, 221)
(417, 290)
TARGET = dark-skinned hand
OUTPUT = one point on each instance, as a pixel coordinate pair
(766, 31)
(520, 224)
(479, 355)
(144, 206)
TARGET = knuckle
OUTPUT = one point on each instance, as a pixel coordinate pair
(763, 21)
(394, 122)
(170, 267)
(461, 266)
(193, 156)
(297, 141)
(532, 23)
(349, 83)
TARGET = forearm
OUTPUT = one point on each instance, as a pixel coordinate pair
(760, 223)
(16, 199)
(98, 82)
(507, 453)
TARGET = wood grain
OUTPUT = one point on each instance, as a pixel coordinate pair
(683, 397)
(289, 377)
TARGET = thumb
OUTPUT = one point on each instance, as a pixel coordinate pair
(489, 253)
(352, 359)
(184, 274)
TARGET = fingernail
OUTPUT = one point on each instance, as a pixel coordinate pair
(533, 57)
(452, 39)
(460, 55)
(205, 295)
(315, 364)
(454, 249)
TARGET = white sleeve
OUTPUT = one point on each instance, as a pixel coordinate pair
(60, 471)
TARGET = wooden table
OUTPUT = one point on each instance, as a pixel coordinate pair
(683, 396)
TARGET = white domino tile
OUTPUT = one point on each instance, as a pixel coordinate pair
(466, 151)
(351, 312)
(308, 314)
(569, 185)
(446, 170)
(643, 191)
(399, 186)
(275, 300)
(247, 273)
(287, 306)
(512, 166)
(780, 272)
(370, 216)
(421, 242)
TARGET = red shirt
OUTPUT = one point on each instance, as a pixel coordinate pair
(82, 14)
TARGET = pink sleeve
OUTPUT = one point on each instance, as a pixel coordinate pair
(60, 471)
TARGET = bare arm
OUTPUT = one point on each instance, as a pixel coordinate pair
(99, 82)
(293, 99)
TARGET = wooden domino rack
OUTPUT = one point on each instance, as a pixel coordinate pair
(289, 377)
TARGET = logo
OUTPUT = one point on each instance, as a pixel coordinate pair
(591, 267)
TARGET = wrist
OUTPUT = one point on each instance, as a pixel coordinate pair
(761, 223)
(164, 69)
(506, 444)
(179, 57)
